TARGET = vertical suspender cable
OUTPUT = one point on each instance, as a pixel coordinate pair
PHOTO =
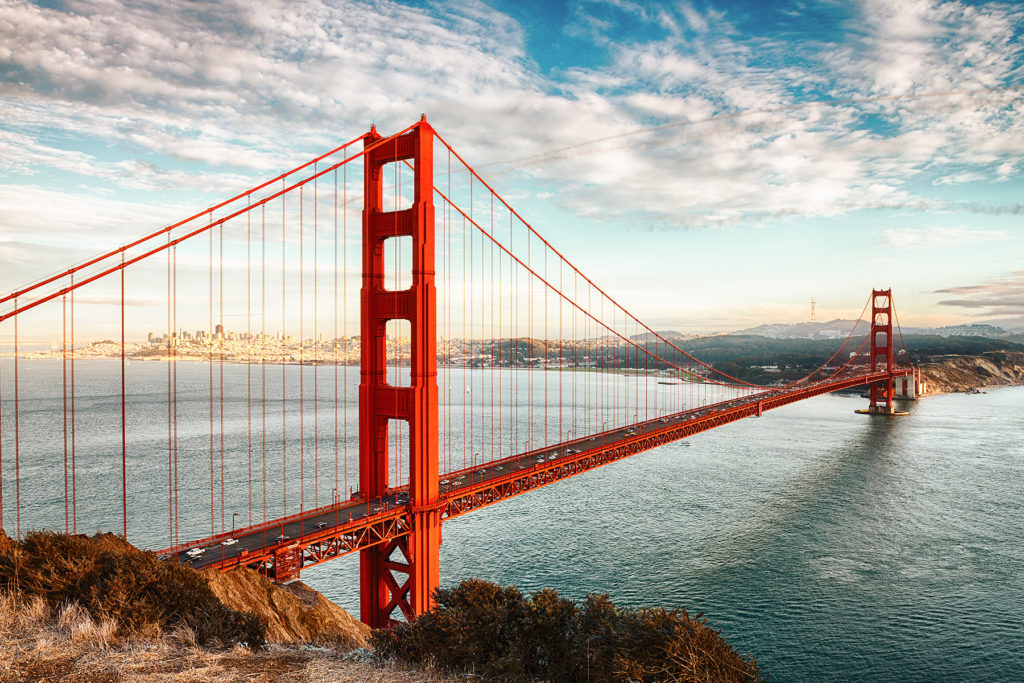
(492, 341)
(174, 377)
(574, 338)
(334, 315)
(74, 478)
(513, 325)
(284, 395)
(469, 333)
(124, 416)
(448, 318)
(316, 352)
(344, 307)
(170, 432)
(220, 365)
(465, 340)
(248, 349)
(263, 350)
(64, 393)
(209, 362)
(302, 369)
(17, 432)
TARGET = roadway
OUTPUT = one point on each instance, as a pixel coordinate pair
(223, 548)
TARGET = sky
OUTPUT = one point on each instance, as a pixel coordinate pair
(712, 165)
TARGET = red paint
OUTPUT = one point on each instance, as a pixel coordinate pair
(881, 351)
(416, 554)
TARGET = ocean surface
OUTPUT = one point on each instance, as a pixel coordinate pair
(828, 545)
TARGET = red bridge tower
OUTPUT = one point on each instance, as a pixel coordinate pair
(402, 573)
(881, 392)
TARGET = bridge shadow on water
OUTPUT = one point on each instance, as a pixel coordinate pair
(808, 563)
(855, 480)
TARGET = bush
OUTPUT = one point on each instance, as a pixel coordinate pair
(500, 633)
(113, 580)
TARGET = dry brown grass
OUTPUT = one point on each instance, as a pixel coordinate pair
(292, 613)
(76, 608)
(114, 581)
(38, 643)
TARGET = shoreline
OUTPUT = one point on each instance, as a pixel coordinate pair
(952, 374)
(973, 374)
(984, 389)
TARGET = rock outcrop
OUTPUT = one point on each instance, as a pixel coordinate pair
(967, 373)
(294, 612)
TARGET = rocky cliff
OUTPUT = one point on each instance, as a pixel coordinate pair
(966, 373)
(294, 612)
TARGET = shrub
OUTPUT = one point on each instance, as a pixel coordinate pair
(114, 581)
(500, 633)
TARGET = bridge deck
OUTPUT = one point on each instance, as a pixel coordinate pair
(315, 536)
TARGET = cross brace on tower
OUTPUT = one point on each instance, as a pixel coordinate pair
(402, 573)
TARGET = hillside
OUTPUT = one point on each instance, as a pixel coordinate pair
(967, 373)
(293, 613)
(839, 328)
(81, 608)
(747, 357)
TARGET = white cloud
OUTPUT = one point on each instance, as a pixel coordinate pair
(940, 238)
(957, 178)
(213, 96)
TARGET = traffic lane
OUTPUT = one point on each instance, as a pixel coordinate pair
(576, 446)
(289, 530)
(258, 540)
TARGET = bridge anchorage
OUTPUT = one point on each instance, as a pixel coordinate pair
(511, 370)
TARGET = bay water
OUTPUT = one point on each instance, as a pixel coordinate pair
(828, 545)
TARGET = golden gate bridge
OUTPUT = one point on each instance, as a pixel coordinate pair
(488, 366)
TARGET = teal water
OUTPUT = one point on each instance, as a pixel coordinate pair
(829, 545)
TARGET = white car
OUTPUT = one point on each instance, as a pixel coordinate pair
(196, 552)
(228, 541)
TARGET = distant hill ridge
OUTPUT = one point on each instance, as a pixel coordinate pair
(839, 328)
(670, 335)
(808, 330)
